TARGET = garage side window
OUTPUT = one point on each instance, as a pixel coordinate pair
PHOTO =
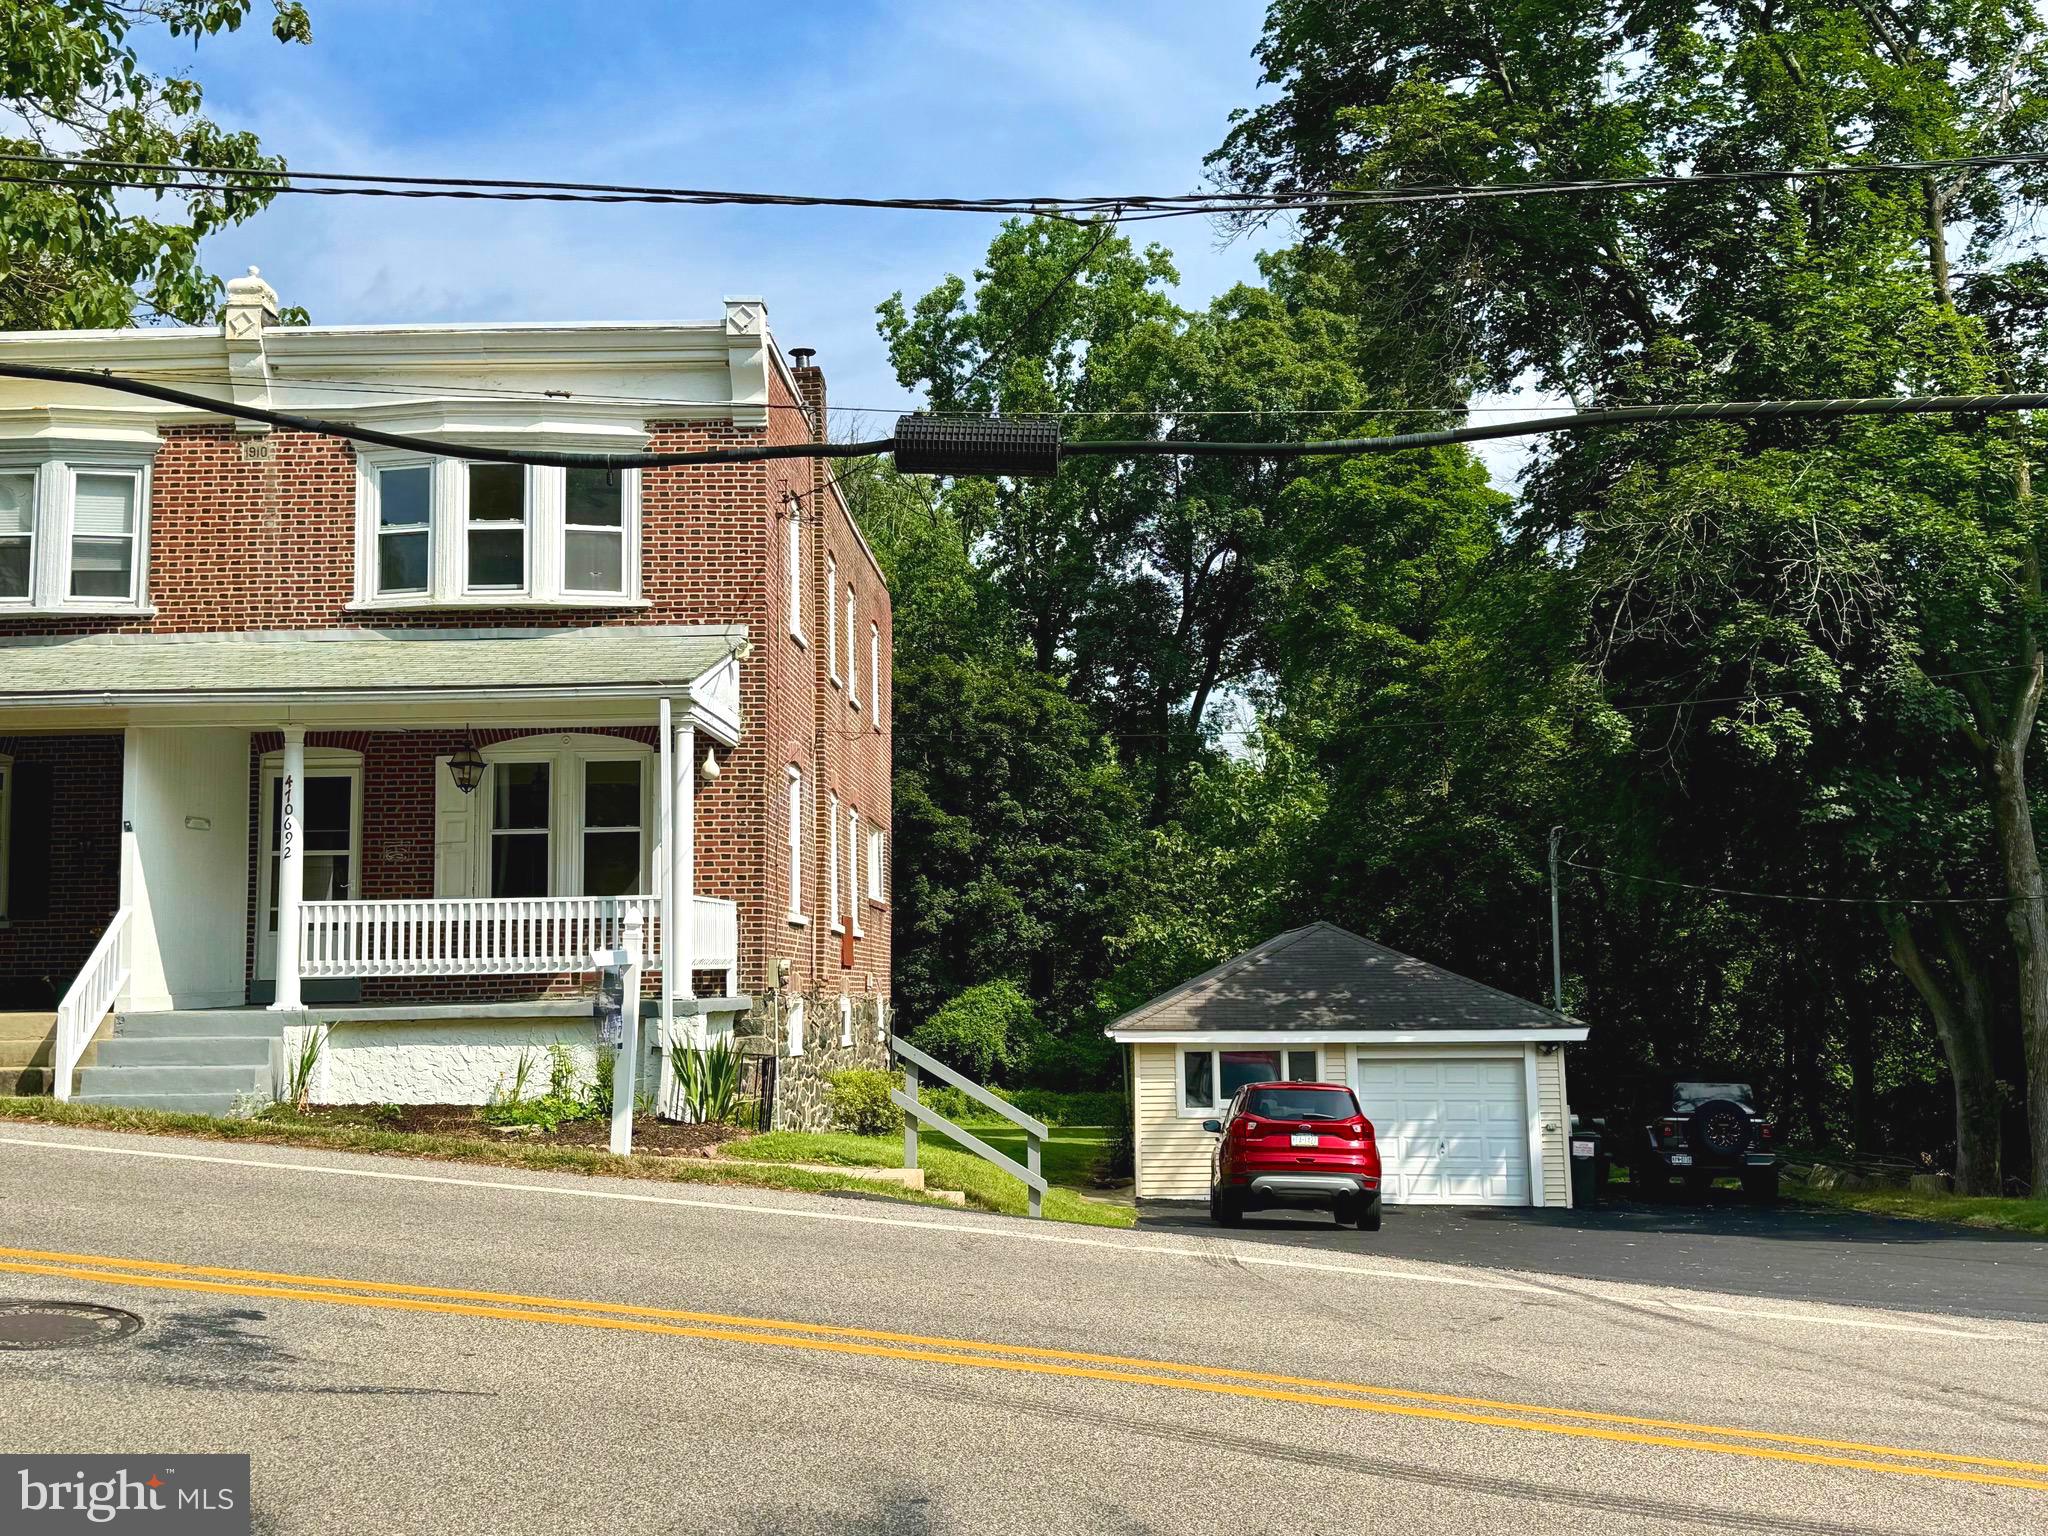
(1210, 1079)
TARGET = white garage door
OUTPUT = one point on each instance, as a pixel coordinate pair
(1452, 1130)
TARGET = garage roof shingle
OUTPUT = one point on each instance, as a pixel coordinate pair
(1326, 979)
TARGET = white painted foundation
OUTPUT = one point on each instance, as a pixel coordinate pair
(452, 1061)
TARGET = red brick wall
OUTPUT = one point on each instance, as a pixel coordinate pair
(39, 957)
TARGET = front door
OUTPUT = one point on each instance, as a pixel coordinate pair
(333, 852)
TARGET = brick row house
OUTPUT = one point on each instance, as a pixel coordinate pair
(302, 735)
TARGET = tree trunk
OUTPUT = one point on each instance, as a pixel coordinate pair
(2027, 918)
(1962, 1023)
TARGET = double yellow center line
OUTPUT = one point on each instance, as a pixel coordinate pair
(1033, 1360)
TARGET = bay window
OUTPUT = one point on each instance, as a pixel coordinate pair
(17, 532)
(449, 533)
(405, 499)
(73, 532)
(1210, 1078)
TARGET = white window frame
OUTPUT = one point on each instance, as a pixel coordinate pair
(845, 1019)
(795, 840)
(832, 867)
(568, 758)
(34, 474)
(1282, 1048)
(377, 533)
(875, 675)
(448, 525)
(852, 654)
(853, 870)
(6, 829)
(793, 555)
(831, 620)
(627, 516)
(877, 852)
(54, 500)
(794, 1027)
(642, 830)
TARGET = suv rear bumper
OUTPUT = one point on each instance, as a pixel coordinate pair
(1697, 1162)
(1284, 1188)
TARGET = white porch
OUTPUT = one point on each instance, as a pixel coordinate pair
(294, 888)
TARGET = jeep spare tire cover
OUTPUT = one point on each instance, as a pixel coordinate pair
(1720, 1126)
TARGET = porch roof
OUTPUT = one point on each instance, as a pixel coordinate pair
(625, 661)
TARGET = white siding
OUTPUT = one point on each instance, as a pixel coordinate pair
(1173, 1152)
(187, 799)
(1554, 1119)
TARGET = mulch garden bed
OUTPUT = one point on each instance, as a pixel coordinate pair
(662, 1137)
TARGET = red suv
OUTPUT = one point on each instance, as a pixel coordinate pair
(1295, 1144)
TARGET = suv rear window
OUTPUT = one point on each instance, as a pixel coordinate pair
(1301, 1103)
(1686, 1097)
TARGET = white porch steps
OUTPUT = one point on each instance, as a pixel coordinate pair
(193, 1063)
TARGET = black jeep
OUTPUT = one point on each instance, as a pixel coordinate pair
(1698, 1128)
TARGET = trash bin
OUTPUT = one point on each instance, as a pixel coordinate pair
(1589, 1168)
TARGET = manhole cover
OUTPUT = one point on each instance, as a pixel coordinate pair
(62, 1324)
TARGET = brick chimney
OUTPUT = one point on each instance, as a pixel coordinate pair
(810, 387)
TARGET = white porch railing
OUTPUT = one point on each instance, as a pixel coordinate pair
(91, 998)
(492, 936)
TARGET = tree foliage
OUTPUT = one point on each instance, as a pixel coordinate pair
(71, 253)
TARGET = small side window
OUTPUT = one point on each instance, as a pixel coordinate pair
(1301, 1066)
(1198, 1080)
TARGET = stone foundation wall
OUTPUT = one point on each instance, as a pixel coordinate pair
(812, 1044)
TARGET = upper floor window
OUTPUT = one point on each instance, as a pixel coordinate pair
(449, 533)
(831, 628)
(795, 838)
(875, 856)
(72, 536)
(793, 557)
(832, 864)
(852, 665)
(875, 675)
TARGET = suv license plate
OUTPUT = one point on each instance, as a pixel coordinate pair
(1306, 1139)
(1681, 1159)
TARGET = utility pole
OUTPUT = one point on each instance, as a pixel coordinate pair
(1556, 940)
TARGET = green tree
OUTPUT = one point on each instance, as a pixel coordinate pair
(1859, 588)
(71, 79)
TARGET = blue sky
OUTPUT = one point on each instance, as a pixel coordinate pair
(888, 97)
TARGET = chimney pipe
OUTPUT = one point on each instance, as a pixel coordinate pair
(801, 356)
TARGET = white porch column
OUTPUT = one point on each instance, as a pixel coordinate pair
(291, 865)
(683, 871)
(664, 876)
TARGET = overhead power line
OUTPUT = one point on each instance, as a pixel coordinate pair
(1032, 446)
(75, 171)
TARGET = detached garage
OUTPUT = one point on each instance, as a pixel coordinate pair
(1464, 1084)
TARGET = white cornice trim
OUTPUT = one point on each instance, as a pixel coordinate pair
(51, 427)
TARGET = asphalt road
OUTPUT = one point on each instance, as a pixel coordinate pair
(1787, 1252)
(408, 1346)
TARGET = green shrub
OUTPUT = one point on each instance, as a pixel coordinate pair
(858, 1098)
(708, 1082)
(982, 1031)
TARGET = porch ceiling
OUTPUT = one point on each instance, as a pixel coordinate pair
(312, 675)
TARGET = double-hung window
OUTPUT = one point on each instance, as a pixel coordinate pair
(1209, 1079)
(832, 863)
(795, 834)
(831, 628)
(521, 844)
(17, 532)
(853, 869)
(612, 802)
(793, 557)
(497, 516)
(852, 664)
(73, 534)
(451, 533)
(875, 848)
(405, 504)
(875, 675)
(593, 532)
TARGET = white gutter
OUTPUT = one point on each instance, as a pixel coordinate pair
(1570, 1034)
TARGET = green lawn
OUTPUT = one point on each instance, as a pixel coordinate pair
(1067, 1159)
(2005, 1215)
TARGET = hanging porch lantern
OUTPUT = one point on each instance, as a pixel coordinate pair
(466, 767)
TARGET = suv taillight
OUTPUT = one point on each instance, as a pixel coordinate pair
(1763, 1132)
(1672, 1129)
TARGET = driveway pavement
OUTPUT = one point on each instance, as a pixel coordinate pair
(1790, 1252)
